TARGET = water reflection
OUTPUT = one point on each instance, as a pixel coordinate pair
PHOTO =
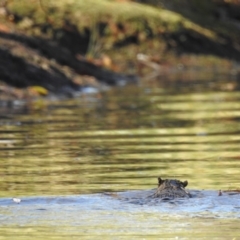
(121, 140)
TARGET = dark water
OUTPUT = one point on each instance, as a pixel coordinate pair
(122, 140)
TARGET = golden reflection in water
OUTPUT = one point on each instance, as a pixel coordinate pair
(123, 141)
(147, 226)
(80, 149)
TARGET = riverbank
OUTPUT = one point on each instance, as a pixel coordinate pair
(61, 47)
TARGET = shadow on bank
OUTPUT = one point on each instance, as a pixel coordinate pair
(27, 61)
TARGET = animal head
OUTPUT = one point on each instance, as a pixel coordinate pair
(171, 183)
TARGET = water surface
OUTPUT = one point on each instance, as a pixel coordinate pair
(121, 140)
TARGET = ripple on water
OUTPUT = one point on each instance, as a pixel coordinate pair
(122, 140)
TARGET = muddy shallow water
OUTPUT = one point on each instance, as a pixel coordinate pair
(59, 157)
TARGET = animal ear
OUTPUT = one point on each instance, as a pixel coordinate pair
(160, 181)
(185, 183)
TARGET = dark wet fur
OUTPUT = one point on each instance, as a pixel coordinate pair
(170, 189)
